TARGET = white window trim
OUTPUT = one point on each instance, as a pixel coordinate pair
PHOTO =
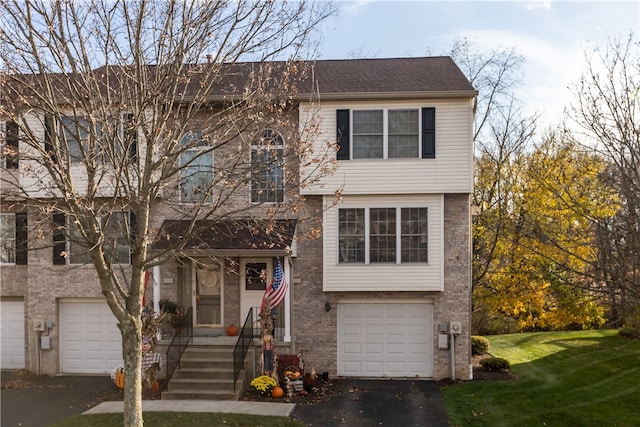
(385, 132)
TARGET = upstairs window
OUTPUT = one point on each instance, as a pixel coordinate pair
(68, 243)
(386, 133)
(196, 169)
(74, 135)
(267, 168)
(383, 235)
(9, 145)
(7, 238)
(13, 238)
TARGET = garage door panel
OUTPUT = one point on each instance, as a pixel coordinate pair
(90, 339)
(385, 339)
(374, 368)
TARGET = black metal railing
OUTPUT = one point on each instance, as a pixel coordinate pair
(181, 338)
(278, 323)
(242, 346)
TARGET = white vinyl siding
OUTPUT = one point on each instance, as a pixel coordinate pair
(385, 276)
(451, 171)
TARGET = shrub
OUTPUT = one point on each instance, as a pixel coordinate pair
(628, 332)
(495, 364)
(263, 385)
(479, 345)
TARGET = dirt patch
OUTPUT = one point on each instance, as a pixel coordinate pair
(25, 379)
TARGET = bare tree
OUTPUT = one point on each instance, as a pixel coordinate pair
(145, 106)
(502, 133)
(606, 116)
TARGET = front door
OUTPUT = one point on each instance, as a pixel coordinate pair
(255, 274)
(207, 294)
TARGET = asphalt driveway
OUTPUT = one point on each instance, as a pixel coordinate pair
(366, 403)
(350, 402)
(39, 402)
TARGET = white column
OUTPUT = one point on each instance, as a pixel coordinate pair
(155, 276)
(287, 301)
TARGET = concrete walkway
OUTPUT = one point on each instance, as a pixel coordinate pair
(222, 406)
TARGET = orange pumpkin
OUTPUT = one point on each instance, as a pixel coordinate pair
(119, 380)
(277, 392)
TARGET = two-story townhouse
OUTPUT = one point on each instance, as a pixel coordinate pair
(373, 294)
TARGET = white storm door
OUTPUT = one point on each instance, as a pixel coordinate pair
(255, 274)
(207, 294)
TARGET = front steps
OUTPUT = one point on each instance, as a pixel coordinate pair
(206, 371)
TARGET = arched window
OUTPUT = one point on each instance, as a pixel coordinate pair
(196, 169)
(267, 168)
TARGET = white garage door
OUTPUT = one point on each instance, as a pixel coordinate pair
(90, 341)
(12, 340)
(385, 339)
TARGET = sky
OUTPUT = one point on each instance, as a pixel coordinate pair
(553, 37)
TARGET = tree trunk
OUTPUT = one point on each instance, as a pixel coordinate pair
(132, 355)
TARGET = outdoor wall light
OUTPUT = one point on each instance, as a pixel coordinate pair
(327, 305)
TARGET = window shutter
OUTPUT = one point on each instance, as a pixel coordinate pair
(59, 241)
(48, 138)
(11, 142)
(21, 238)
(343, 131)
(428, 133)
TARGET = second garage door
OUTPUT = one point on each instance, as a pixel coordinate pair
(12, 334)
(385, 339)
(90, 341)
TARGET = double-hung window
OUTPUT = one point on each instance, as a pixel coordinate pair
(389, 133)
(383, 235)
(117, 229)
(13, 238)
(267, 168)
(196, 169)
(74, 136)
(7, 238)
(9, 145)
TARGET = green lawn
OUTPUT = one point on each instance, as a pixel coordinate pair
(180, 419)
(576, 378)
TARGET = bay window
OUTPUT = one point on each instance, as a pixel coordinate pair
(383, 235)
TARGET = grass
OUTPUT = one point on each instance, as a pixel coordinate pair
(576, 378)
(180, 419)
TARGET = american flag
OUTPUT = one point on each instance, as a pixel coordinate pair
(276, 290)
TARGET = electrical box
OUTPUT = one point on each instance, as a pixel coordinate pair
(455, 328)
(38, 325)
(45, 343)
(443, 328)
(443, 342)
